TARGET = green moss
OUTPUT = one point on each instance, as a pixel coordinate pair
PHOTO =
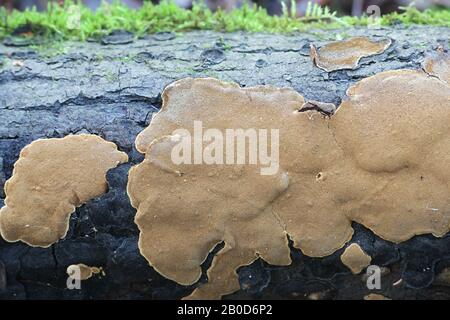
(50, 49)
(60, 22)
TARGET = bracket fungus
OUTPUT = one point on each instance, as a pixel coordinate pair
(3, 279)
(51, 178)
(346, 54)
(398, 153)
(381, 160)
(355, 258)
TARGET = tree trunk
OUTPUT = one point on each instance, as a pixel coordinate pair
(112, 89)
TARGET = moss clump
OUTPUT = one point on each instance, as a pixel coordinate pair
(61, 21)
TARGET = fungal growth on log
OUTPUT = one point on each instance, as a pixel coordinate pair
(208, 204)
(51, 178)
(399, 153)
(355, 258)
(346, 54)
(373, 162)
(438, 65)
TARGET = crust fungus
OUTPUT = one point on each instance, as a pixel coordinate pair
(438, 65)
(397, 152)
(51, 178)
(346, 54)
(185, 210)
(355, 258)
(380, 160)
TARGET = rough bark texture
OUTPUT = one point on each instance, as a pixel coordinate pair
(113, 90)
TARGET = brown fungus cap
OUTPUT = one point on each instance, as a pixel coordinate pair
(355, 258)
(185, 210)
(345, 54)
(373, 162)
(438, 65)
(194, 208)
(51, 178)
(393, 131)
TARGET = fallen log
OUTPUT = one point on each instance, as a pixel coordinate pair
(112, 89)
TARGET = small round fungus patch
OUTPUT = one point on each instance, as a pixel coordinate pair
(355, 258)
(345, 54)
(51, 178)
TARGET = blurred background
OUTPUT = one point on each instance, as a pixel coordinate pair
(344, 7)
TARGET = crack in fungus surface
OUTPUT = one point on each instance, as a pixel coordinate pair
(51, 178)
(381, 160)
(346, 54)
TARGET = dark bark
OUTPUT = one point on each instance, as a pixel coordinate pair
(112, 90)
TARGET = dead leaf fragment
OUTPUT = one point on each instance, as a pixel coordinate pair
(346, 54)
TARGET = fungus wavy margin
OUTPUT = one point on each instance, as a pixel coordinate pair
(336, 174)
(346, 54)
(50, 179)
